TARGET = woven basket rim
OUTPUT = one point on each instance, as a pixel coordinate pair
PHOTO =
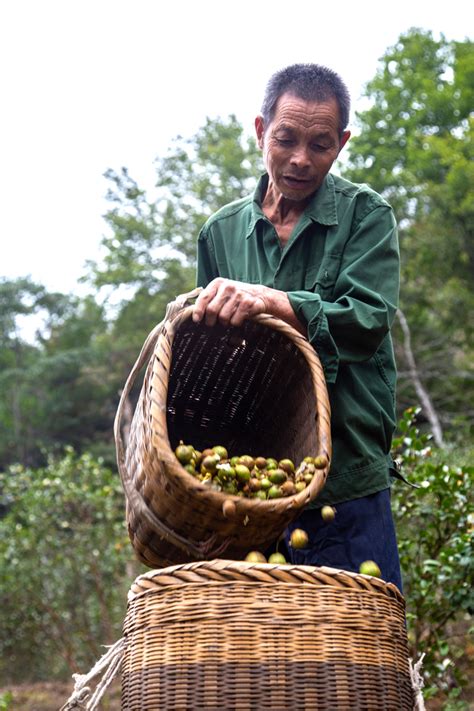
(223, 572)
(244, 504)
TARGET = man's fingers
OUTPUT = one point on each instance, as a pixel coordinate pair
(228, 302)
(202, 302)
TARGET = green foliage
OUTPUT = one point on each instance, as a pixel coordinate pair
(152, 244)
(65, 567)
(6, 697)
(435, 524)
(414, 145)
(55, 391)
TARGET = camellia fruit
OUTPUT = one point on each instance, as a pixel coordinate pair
(370, 567)
(255, 557)
(299, 538)
(328, 513)
(221, 451)
(229, 508)
(184, 453)
(320, 462)
(277, 558)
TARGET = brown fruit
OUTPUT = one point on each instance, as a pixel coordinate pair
(229, 509)
(288, 488)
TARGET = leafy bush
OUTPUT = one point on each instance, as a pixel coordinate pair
(435, 524)
(68, 563)
(66, 567)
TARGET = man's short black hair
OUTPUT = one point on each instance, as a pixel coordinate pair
(311, 82)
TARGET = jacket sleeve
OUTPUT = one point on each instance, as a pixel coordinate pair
(350, 327)
(206, 261)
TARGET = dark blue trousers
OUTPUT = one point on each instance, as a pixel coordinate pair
(362, 529)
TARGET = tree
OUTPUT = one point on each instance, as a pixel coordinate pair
(152, 243)
(54, 390)
(414, 145)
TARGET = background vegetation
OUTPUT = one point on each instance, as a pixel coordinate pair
(66, 559)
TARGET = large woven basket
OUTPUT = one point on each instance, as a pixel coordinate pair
(257, 390)
(233, 635)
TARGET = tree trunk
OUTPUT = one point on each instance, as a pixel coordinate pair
(424, 398)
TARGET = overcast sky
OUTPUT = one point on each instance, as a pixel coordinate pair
(95, 84)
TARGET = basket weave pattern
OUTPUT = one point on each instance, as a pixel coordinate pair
(234, 635)
(257, 390)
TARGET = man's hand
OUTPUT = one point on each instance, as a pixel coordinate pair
(230, 302)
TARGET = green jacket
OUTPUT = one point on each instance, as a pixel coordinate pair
(340, 269)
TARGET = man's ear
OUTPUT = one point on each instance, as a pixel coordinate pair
(259, 130)
(344, 138)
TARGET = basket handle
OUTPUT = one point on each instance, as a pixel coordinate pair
(172, 309)
(134, 498)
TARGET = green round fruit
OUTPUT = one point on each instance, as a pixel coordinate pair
(287, 465)
(221, 451)
(242, 473)
(277, 558)
(277, 476)
(370, 567)
(184, 453)
(275, 492)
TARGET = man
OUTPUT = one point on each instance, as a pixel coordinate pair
(321, 254)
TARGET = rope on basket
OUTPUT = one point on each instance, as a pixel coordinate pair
(81, 697)
(417, 683)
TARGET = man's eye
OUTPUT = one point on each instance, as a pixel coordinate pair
(284, 141)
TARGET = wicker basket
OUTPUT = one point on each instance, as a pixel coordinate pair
(257, 390)
(233, 635)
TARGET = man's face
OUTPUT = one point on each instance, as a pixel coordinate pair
(300, 145)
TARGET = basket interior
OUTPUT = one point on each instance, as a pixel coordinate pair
(249, 389)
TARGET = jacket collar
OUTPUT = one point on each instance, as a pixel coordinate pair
(321, 208)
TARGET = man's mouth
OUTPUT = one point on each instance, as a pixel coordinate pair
(297, 182)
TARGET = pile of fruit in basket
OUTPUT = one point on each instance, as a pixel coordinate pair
(245, 475)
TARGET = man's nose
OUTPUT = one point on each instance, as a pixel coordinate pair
(300, 157)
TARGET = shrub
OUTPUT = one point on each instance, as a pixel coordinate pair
(435, 525)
